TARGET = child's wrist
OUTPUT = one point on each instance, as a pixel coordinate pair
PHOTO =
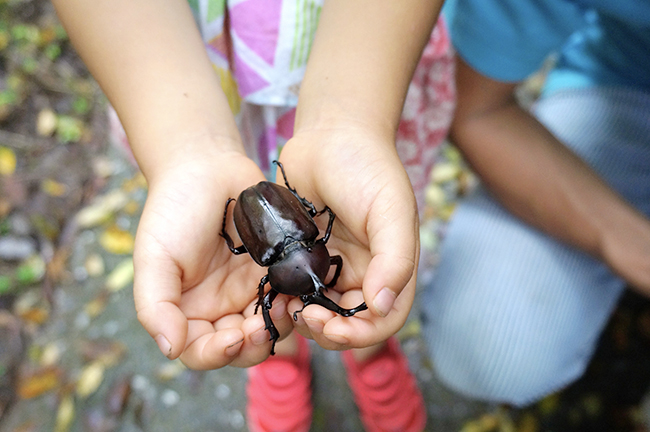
(342, 115)
(157, 157)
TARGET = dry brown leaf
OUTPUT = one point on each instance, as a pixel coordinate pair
(97, 305)
(37, 315)
(118, 396)
(39, 382)
(105, 351)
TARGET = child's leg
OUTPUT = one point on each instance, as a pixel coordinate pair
(512, 314)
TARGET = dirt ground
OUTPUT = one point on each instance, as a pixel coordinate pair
(73, 356)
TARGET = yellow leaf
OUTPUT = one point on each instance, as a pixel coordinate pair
(443, 172)
(65, 415)
(90, 379)
(53, 188)
(486, 423)
(7, 161)
(117, 241)
(102, 209)
(121, 276)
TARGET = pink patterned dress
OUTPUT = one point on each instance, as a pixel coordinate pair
(259, 50)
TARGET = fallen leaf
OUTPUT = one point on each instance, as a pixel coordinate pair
(53, 188)
(486, 423)
(132, 207)
(31, 270)
(170, 370)
(90, 379)
(94, 265)
(102, 209)
(40, 381)
(37, 315)
(117, 241)
(31, 307)
(69, 129)
(118, 396)
(528, 423)
(46, 122)
(121, 276)
(65, 414)
(105, 351)
(138, 181)
(97, 305)
(7, 161)
(444, 172)
(50, 355)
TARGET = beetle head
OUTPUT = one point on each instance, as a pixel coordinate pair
(301, 270)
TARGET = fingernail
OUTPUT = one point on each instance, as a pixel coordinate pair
(314, 325)
(163, 345)
(234, 348)
(260, 336)
(341, 340)
(384, 301)
(279, 310)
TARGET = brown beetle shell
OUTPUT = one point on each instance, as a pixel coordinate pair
(268, 217)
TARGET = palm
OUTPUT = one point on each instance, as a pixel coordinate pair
(185, 274)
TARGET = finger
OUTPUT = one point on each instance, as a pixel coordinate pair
(365, 329)
(335, 332)
(213, 346)
(393, 242)
(156, 292)
(257, 346)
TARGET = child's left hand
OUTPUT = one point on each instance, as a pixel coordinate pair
(358, 174)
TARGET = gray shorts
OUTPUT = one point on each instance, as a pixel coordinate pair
(511, 314)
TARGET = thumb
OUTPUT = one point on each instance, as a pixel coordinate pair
(394, 249)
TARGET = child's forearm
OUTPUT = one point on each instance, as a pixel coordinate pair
(362, 61)
(149, 59)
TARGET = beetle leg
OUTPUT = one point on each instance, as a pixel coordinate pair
(328, 231)
(320, 299)
(338, 262)
(266, 307)
(260, 293)
(310, 207)
(231, 245)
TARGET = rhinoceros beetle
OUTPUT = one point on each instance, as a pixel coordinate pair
(277, 229)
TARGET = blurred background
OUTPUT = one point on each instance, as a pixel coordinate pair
(72, 354)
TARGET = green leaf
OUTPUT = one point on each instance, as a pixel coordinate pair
(52, 51)
(5, 284)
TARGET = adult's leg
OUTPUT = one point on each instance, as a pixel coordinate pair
(511, 314)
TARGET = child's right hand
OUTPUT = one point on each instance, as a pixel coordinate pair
(192, 295)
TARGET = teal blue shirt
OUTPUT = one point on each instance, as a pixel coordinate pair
(598, 42)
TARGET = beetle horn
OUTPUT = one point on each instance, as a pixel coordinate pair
(318, 284)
